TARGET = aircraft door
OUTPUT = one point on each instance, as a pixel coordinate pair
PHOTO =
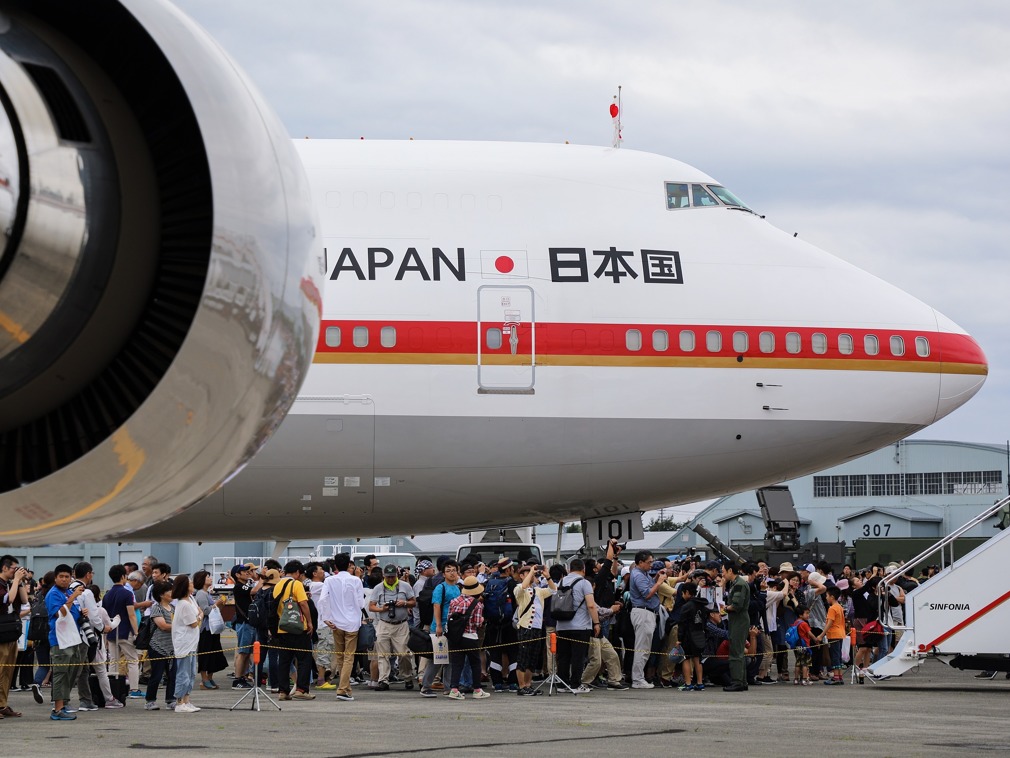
(506, 340)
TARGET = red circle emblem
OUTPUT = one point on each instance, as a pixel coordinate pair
(504, 264)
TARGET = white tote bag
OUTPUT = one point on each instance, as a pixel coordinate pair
(67, 633)
(215, 621)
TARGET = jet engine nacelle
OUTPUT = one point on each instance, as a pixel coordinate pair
(159, 300)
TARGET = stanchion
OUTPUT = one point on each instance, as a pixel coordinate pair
(256, 691)
(554, 679)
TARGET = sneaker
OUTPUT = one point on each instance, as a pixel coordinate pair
(583, 689)
(616, 686)
(524, 691)
(185, 708)
(686, 688)
(499, 688)
(87, 707)
(382, 686)
(113, 704)
(479, 694)
(348, 698)
(514, 687)
(171, 705)
(151, 706)
(238, 684)
(768, 680)
(327, 686)
(372, 685)
(425, 692)
(409, 684)
(136, 695)
(36, 693)
(642, 685)
(299, 695)
(456, 695)
(62, 716)
(69, 709)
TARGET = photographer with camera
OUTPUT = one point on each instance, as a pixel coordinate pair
(66, 649)
(392, 599)
(13, 586)
(84, 575)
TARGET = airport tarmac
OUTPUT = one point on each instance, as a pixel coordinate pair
(933, 711)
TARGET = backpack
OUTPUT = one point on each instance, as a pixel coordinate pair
(38, 626)
(563, 606)
(262, 614)
(497, 601)
(425, 607)
(457, 622)
(793, 638)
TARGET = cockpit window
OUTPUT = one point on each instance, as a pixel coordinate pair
(727, 197)
(702, 197)
(676, 195)
(685, 195)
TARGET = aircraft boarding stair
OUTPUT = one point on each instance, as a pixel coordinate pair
(961, 615)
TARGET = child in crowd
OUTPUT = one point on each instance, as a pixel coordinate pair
(693, 617)
(834, 632)
(802, 650)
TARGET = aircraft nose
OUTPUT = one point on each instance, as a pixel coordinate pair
(963, 367)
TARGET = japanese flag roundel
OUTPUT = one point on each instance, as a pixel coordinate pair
(504, 264)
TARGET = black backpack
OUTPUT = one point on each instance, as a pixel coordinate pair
(38, 625)
(563, 606)
(425, 607)
(498, 601)
(457, 624)
(262, 614)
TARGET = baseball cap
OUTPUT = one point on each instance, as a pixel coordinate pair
(391, 569)
(715, 565)
(809, 567)
(657, 566)
(238, 569)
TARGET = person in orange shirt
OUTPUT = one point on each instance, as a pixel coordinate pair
(834, 632)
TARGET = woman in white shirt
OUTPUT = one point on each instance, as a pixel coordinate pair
(185, 641)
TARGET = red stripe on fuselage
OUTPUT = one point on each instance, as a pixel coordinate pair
(588, 339)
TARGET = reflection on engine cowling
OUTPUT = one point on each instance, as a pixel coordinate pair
(158, 262)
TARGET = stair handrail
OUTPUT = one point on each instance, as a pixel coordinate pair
(942, 543)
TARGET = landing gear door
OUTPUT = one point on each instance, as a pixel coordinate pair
(506, 340)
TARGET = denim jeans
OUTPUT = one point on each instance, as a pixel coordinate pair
(42, 654)
(185, 674)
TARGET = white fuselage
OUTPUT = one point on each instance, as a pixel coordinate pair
(516, 333)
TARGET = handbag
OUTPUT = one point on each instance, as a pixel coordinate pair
(366, 637)
(291, 620)
(215, 621)
(419, 642)
(872, 627)
(144, 633)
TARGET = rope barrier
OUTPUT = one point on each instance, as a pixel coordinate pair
(268, 646)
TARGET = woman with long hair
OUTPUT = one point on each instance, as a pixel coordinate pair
(185, 639)
(209, 658)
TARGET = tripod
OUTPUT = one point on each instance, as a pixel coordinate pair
(554, 682)
(256, 691)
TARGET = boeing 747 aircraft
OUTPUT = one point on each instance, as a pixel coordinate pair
(462, 335)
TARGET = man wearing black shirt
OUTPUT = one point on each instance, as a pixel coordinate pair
(245, 588)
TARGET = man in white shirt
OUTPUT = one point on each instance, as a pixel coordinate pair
(340, 604)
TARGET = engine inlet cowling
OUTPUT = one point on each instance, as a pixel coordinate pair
(158, 296)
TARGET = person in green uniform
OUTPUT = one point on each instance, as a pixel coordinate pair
(738, 607)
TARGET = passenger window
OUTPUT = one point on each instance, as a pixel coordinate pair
(633, 340)
(702, 196)
(713, 341)
(493, 339)
(333, 336)
(766, 341)
(360, 336)
(660, 341)
(687, 341)
(897, 345)
(922, 347)
(387, 336)
(794, 342)
(819, 343)
(740, 342)
(871, 345)
(845, 344)
(676, 196)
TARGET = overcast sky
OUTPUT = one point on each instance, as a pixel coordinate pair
(879, 131)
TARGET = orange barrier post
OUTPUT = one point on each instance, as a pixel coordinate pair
(554, 643)
(256, 654)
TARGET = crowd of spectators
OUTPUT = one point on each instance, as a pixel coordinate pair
(447, 627)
